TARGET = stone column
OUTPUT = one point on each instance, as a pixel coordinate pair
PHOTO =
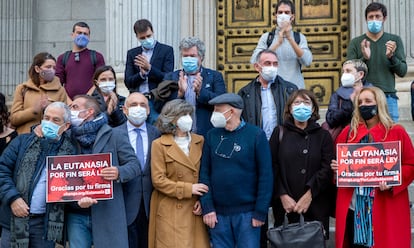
(15, 43)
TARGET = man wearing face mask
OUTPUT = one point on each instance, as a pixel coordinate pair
(197, 84)
(137, 192)
(291, 47)
(340, 107)
(264, 97)
(90, 221)
(382, 52)
(236, 167)
(146, 65)
(26, 218)
(75, 68)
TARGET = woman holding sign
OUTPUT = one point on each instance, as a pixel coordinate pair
(375, 216)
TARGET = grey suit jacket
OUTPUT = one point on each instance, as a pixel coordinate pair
(109, 216)
(141, 186)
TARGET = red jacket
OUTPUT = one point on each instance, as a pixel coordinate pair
(391, 212)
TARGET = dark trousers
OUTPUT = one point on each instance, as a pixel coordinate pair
(138, 230)
(349, 231)
(263, 234)
(36, 235)
(412, 100)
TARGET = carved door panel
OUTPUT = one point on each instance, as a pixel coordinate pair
(240, 23)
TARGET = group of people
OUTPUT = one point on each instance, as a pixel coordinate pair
(192, 165)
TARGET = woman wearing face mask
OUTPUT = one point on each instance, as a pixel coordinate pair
(340, 107)
(32, 97)
(301, 158)
(175, 215)
(104, 92)
(388, 224)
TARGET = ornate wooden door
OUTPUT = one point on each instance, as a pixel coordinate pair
(240, 23)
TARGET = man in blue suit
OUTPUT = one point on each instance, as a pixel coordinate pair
(197, 84)
(146, 65)
(137, 193)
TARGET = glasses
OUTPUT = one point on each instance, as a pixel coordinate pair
(77, 57)
(222, 149)
(299, 102)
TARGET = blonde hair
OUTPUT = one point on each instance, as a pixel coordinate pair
(383, 115)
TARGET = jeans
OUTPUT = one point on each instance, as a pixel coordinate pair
(36, 235)
(79, 230)
(235, 231)
(392, 103)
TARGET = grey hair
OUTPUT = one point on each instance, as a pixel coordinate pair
(61, 105)
(171, 111)
(262, 52)
(190, 42)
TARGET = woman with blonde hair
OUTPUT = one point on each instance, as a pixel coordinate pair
(380, 216)
(175, 215)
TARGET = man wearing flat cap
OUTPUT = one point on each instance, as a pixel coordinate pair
(237, 167)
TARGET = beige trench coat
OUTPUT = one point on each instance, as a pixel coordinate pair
(172, 222)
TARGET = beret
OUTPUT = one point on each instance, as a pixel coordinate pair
(228, 98)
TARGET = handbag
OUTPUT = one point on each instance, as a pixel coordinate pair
(334, 132)
(309, 234)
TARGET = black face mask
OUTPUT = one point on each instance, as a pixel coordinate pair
(368, 111)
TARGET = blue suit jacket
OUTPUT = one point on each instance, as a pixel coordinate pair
(141, 186)
(162, 62)
(212, 86)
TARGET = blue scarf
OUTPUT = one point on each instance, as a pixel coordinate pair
(87, 132)
(363, 229)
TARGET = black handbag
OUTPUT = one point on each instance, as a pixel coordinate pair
(307, 234)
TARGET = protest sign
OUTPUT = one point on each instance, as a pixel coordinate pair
(72, 177)
(368, 164)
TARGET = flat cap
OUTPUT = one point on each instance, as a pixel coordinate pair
(228, 98)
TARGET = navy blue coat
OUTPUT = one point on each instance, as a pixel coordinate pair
(141, 186)
(162, 62)
(9, 164)
(212, 86)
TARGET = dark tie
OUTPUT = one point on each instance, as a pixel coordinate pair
(139, 148)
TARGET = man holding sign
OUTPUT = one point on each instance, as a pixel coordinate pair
(374, 216)
(102, 223)
(25, 215)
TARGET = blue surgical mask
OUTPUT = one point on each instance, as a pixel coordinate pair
(81, 40)
(148, 43)
(190, 64)
(50, 130)
(374, 26)
(302, 112)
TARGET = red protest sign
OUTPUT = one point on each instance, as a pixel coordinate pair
(368, 164)
(71, 177)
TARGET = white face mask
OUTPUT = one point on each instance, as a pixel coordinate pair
(75, 120)
(348, 80)
(269, 73)
(184, 123)
(281, 19)
(107, 87)
(218, 119)
(137, 115)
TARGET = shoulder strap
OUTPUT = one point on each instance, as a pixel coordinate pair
(296, 36)
(270, 37)
(93, 57)
(65, 58)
